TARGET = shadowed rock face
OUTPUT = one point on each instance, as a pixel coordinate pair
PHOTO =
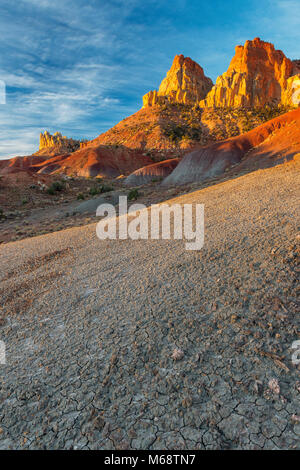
(296, 65)
(213, 160)
(185, 83)
(151, 172)
(256, 76)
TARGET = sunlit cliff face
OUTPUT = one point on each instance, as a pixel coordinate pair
(257, 75)
(185, 83)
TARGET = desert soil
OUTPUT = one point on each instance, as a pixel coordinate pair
(90, 328)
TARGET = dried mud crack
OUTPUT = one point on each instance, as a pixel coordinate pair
(89, 356)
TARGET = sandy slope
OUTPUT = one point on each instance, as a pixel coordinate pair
(90, 327)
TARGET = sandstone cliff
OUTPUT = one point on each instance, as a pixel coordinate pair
(256, 76)
(185, 83)
(57, 141)
(291, 93)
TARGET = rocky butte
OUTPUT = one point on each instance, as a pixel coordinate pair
(257, 75)
(185, 83)
(57, 141)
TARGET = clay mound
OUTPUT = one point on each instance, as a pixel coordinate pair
(151, 172)
(100, 161)
(16, 164)
(52, 151)
(275, 141)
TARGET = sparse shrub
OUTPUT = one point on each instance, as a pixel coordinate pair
(157, 179)
(2, 215)
(106, 188)
(80, 197)
(94, 190)
(133, 195)
(50, 190)
(175, 133)
(100, 189)
(56, 186)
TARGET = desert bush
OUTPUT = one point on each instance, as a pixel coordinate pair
(56, 186)
(95, 190)
(105, 188)
(100, 189)
(133, 195)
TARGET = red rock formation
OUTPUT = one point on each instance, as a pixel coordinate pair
(16, 164)
(291, 93)
(296, 67)
(256, 76)
(185, 83)
(151, 172)
(56, 144)
(98, 161)
(213, 160)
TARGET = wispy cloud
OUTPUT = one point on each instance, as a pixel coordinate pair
(79, 67)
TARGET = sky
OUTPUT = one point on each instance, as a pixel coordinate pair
(81, 66)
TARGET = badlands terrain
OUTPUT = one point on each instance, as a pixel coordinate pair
(91, 327)
(123, 344)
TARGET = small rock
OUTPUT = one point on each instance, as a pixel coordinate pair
(177, 354)
(258, 387)
(295, 418)
(274, 386)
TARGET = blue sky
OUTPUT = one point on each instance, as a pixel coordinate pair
(81, 66)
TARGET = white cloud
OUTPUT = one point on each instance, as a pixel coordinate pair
(79, 66)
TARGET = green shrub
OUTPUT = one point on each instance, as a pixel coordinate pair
(133, 195)
(80, 197)
(50, 191)
(56, 186)
(176, 133)
(106, 188)
(94, 190)
(100, 189)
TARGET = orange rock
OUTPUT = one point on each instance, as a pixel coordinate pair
(185, 83)
(57, 143)
(256, 76)
(291, 93)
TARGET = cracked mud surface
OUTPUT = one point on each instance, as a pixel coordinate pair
(90, 328)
